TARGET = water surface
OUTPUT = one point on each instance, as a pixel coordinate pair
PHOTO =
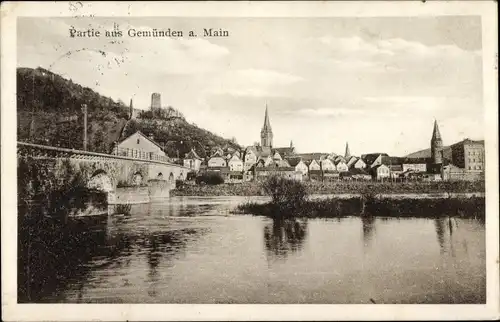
(193, 250)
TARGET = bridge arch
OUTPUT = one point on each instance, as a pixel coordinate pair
(101, 181)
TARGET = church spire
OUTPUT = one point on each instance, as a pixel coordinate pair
(266, 134)
(435, 133)
(267, 124)
(347, 151)
(436, 145)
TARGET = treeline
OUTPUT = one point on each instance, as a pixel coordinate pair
(49, 110)
(52, 102)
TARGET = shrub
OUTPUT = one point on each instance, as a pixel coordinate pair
(285, 192)
(212, 178)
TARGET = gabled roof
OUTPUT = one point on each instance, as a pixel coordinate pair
(378, 166)
(192, 155)
(337, 161)
(144, 136)
(371, 157)
(293, 161)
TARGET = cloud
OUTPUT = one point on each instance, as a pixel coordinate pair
(254, 82)
(324, 112)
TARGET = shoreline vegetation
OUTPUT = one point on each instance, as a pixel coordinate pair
(334, 188)
(289, 200)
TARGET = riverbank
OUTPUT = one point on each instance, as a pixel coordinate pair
(336, 188)
(473, 207)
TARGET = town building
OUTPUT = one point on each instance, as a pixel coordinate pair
(217, 162)
(192, 160)
(468, 154)
(341, 166)
(140, 146)
(313, 165)
(235, 163)
(327, 165)
(299, 165)
(381, 172)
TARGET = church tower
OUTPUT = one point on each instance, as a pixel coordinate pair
(436, 145)
(266, 134)
(347, 151)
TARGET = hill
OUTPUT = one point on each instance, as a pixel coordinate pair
(49, 112)
(426, 153)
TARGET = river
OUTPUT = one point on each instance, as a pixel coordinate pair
(193, 250)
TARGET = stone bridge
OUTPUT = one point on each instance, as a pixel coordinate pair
(135, 179)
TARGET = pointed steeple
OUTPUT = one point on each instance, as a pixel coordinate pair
(436, 145)
(266, 134)
(347, 151)
(435, 133)
(267, 124)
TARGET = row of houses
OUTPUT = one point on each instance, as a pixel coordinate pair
(256, 163)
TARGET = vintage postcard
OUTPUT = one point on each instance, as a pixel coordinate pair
(249, 161)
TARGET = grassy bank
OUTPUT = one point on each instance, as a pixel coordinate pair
(339, 187)
(289, 199)
(371, 207)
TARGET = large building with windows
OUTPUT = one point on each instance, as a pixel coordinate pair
(468, 154)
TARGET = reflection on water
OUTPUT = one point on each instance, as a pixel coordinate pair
(191, 250)
(368, 229)
(284, 236)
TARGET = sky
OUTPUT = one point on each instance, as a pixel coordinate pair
(377, 83)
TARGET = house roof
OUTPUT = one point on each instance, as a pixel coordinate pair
(192, 155)
(337, 161)
(293, 161)
(312, 156)
(387, 160)
(371, 157)
(282, 163)
(284, 151)
(144, 136)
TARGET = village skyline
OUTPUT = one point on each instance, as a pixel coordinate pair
(374, 83)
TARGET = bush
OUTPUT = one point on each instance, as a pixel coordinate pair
(212, 178)
(285, 192)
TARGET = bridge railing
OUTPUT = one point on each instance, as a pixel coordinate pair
(139, 154)
(38, 150)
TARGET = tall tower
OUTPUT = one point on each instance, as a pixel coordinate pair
(155, 100)
(436, 145)
(347, 152)
(266, 134)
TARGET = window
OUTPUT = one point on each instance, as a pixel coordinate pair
(470, 168)
(138, 141)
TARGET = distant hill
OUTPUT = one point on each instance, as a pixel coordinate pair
(426, 153)
(55, 104)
